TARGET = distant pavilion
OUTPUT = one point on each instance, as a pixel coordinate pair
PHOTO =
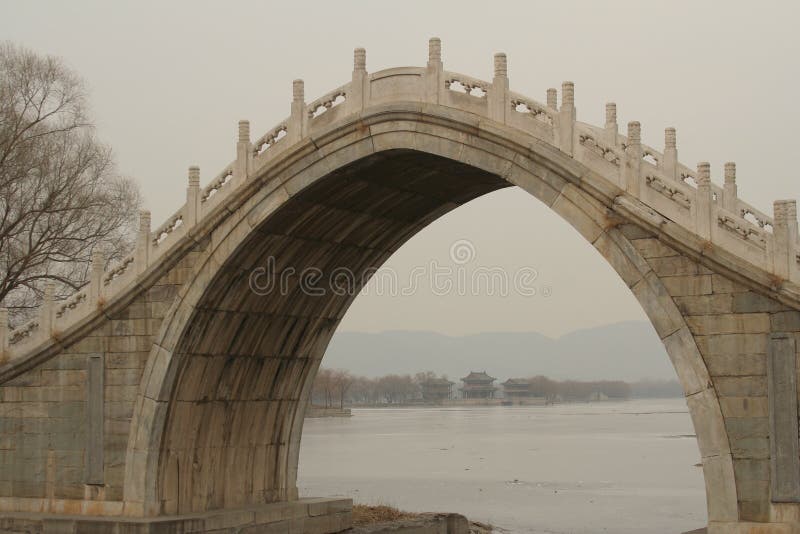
(478, 386)
(517, 388)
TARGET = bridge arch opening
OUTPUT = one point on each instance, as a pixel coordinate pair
(514, 467)
(220, 413)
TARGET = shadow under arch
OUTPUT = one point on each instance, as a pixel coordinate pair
(219, 415)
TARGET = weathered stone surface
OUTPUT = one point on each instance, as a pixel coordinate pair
(739, 323)
(679, 286)
(741, 386)
(744, 407)
(734, 345)
(705, 304)
(783, 425)
(751, 302)
(676, 266)
(653, 248)
(785, 321)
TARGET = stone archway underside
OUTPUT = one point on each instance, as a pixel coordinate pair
(246, 357)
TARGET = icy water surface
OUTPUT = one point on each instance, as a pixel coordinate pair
(620, 467)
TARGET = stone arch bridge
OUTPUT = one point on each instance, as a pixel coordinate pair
(167, 396)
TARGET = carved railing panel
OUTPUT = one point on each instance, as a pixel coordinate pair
(268, 140)
(216, 185)
(327, 102)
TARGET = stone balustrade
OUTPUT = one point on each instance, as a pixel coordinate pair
(671, 190)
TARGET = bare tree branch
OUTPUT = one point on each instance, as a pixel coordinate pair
(60, 198)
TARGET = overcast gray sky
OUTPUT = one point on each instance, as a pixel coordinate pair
(170, 80)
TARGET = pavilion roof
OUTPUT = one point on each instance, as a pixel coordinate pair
(474, 375)
(517, 382)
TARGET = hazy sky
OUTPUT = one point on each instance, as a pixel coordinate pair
(170, 80)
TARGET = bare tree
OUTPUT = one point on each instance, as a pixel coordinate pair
(424, 376)
(323, 386)
(342, 380)
(60, 198)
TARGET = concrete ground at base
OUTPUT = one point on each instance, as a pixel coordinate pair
(303, 516)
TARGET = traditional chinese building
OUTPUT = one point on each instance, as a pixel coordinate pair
(437, 389)
(478, 386)
(517, 388)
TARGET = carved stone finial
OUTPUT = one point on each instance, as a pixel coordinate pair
(500, 65)
(3, 335)
(360, 60)
(730, 173)
(98, 258)
(434, 50)
(611, 114)
(144, 221)
(194, 176)
(552, 98)
(634, 133)
(703, 173)
(49, 292)
(567, 94)
(46, 311)
(670, 138)
(298, 91)
(244, 131)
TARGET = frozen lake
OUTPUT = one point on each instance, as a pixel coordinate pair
(621, 467)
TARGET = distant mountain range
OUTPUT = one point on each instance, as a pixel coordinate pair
(622, 351)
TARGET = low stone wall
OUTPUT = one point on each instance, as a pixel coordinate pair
(307, 516)
(423, 524)
(316, 411)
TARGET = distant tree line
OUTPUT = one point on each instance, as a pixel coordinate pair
(338, 387)
(541, 386)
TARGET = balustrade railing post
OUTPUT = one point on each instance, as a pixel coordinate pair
(193, 197)
(298, 121)
(611, 127)
(633, 164)
(434, 84)
(498, 93)
(703, 202)
(784, 235)
(671, 153)
(566, 117)
(46, 311)
(552, 99)
(143, 242)
(3, 336)
(244, 154)
(729, 193)
(96, 281)
(359, 87)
